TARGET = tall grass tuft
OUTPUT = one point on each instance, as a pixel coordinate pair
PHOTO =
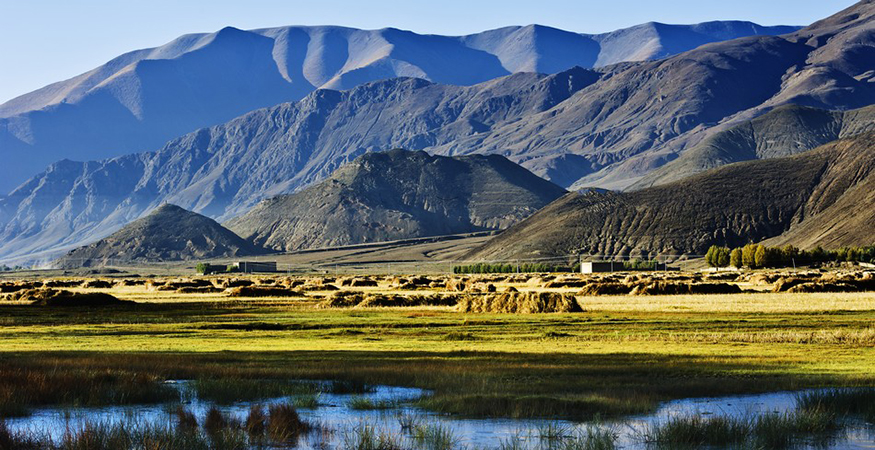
(553, 432)
(284, 425)
(215, 421)
(361, 403)
(367, 437)
(309, 401)
(256, 422)
(185, 419)
(434, 437)
(594, 438)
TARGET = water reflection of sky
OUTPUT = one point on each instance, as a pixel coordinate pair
(339, 419)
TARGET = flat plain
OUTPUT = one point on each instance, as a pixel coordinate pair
(622, 354)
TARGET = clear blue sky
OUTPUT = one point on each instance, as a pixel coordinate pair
(42, 41)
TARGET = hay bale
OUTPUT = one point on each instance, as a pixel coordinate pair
(683, 288)
(6, 288)
(763, 279)
(61, 283)
(263, 291)
(382, 300)
(714, 288)
(130, 282)
(96, 284)
(434, 300)
(602, 288)
(235, 283)
(198, 290)
(660, 288)
(343, 299)
(722, 276)
(362, 282)
(62, 298)
(567, 283)
(291, 284)
(520, 303)
(318, 287)
(815, 287)
(457, 284)
(784, 284)
(182, 283)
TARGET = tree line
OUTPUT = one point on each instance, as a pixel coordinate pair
(757, 256)
(513, 268)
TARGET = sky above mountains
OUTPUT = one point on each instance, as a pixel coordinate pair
(50, 40)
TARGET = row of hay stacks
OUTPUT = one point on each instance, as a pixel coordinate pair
(520, 303)
(356, 299)
(62, 298)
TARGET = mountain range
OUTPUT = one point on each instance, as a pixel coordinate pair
(140, 100)
(397, 195)
(604, 127)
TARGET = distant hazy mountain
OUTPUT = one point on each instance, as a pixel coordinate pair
(607, 127)
(784, 131)
(398, 195)
(140, 100)
(822, 197)
(169, 233)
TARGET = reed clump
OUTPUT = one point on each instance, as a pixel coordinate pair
(284, 424)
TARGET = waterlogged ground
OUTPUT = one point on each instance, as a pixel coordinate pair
(337, 422)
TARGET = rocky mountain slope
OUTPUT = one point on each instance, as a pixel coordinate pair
(169, 233)
(821, 197)
(398, 195)
(784, 131)
(141, 99)
(607, 127)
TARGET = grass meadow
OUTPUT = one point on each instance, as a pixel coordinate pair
(622, 355)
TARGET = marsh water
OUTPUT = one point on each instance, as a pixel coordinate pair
(335, 416)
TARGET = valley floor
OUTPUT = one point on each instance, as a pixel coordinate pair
(621, 355)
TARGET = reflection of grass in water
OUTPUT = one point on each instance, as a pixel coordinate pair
(230, 390)
(308, 401)
(851, 401)
(360, 403)
(368, 437)
(434, 436)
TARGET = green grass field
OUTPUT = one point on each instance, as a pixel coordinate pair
(621, 356)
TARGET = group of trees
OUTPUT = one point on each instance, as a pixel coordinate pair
(758, 256)
(643, 264)
(512, 268)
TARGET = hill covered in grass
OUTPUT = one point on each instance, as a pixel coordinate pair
(398, 195)
(821, 197)
(169, 233)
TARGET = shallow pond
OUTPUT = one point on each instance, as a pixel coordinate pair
(340, 421)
